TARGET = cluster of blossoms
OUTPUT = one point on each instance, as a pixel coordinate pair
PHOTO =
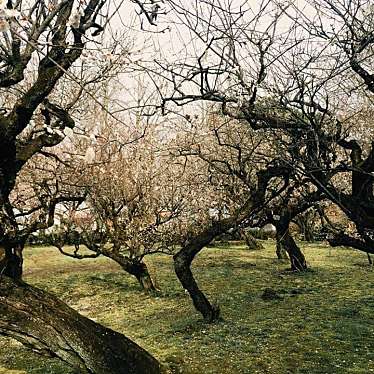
(6, 15)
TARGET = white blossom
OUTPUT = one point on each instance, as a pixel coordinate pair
(69, 132)
(4, 25)
(9, 13)
(79, 230)
(109, 57)
(48, 129)
(90, 155)
(74, 20)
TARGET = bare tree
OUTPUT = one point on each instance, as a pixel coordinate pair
(298, 74)
(42, 47)
(231, 164)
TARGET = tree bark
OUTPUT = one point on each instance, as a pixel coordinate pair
(297, 259)
(10, 249)
(342, 239)
(182, 266)
(250, 240)
(11, 261)
(183, 260)
(47, 325)
(140, 271)
(280, 251)
(134, 267)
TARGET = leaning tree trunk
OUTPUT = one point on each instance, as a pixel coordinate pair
(183, 260)
(297, 259)
(369, 259)
(182, 266)
(251, 241)
(134, 267)
(280, 251)
(47, 325)
(141, 273)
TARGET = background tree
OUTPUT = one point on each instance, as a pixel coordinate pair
(307, 223)
(130, 196)
(230, 162)
(41, 50)
(264, 67)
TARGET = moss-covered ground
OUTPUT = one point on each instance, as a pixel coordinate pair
(321, 322)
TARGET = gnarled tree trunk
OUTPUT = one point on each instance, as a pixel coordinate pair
(182, 266)
(280, 251)
(297, 259)
(134, 267)
(283, 236)
(10, 248)
(141, 273)
(44, 323)
(11, 261)
(250, 240)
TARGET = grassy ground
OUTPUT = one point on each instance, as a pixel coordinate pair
(322, 323)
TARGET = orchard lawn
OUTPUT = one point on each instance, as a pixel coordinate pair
(321, 321)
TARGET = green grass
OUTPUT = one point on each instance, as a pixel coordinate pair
(323, 323)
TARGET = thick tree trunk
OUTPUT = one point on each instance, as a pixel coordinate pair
(183, 260)
(140, 271)
(295, 255)
(11, 261)
(10, 245)
(182, 266)
(47, 325)
(134, 267)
